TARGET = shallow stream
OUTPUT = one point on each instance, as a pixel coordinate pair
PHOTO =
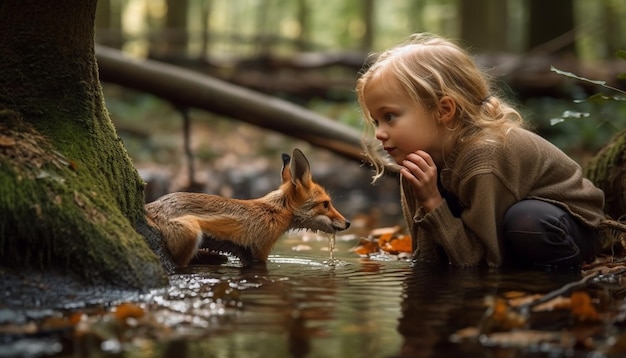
(298, 306)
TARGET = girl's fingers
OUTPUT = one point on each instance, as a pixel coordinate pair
(420, 160)
(421, 156)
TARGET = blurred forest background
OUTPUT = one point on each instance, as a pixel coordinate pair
(309, 52)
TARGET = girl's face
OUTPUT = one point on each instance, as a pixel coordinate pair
(402, 125)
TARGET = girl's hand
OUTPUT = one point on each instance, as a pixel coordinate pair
(420, 170)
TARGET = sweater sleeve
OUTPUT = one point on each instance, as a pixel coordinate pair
(439, 230)
(471, 239)
(449, 232)
(423, 246)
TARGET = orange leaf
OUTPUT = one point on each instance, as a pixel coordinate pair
(499, 316)
(384, 239)
(54, 323)
(76, 317)
(128, 310)
(366, 247)
(582, 307)
(6, 141)
(399, 244)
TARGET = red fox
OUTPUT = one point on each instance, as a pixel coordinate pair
(246, 228)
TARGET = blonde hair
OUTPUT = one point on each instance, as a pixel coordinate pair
(428, 67)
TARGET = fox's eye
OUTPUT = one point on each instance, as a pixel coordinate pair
(326, 204)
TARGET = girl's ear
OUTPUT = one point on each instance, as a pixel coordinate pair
(447, 109)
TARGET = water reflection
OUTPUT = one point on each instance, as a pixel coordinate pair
(438, 301)
(297, 306)
(301, 307)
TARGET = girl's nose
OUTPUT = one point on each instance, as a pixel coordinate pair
(380, 134)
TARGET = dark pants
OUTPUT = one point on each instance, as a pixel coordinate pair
(537, 233)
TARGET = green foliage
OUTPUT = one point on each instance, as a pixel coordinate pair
(595, 82)
(579, 129)
(604, 111)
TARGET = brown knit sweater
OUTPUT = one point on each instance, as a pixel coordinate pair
(487, 176)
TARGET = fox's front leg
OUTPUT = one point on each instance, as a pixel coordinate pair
(226, 246)
(183, 237)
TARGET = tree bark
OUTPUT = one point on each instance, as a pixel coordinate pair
(551, 26)
(69, 195)
(175, 31)
(484, 25)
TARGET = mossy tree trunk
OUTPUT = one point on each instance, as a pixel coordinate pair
(608, 171)
(69, 194)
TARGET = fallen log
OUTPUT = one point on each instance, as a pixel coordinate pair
(186, 88)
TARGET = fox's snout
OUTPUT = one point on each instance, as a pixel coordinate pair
(327, 222)
(340, 226)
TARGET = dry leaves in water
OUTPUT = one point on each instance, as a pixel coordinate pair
(389, 240)
(584, 312)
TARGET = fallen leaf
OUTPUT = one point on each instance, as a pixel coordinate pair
(500, 317)
(128, 310)
(385, 238)
(28, 328)
(466, 334)
(509, 295)
(399, 244)
(6, 141)
(56, 323)
(366, 247)
(582, 307)
(526, 338)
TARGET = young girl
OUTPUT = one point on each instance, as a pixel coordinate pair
(477, 188)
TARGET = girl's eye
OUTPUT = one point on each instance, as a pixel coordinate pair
(389, 117)
(375, 122)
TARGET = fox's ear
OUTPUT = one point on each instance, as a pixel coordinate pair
(300, 169)
(285, 173)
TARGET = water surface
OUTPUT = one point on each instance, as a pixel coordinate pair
(298, 306)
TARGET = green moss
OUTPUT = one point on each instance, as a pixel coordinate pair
(69, 195)
(57, 215)
(607, 171)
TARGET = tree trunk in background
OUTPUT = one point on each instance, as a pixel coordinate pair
(206, 9)
(414, 13)
(69, 195)
(608, 171)
(484, 25)
(175, 36)
(613, 28)
(303, 17)
(367, 42)
(109, 24)
(551, 26)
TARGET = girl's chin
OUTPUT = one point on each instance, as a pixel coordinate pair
(398, 159)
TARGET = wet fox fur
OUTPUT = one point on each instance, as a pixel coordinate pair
(246, 228)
